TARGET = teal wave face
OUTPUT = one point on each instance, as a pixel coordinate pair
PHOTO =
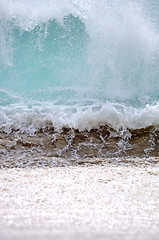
(106, 53)
(47, 60)
(79, 65)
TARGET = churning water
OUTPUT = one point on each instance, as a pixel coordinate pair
(88, 68)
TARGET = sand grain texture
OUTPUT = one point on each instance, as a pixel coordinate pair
(94, 202)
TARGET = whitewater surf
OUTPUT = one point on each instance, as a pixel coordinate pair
(81, 76)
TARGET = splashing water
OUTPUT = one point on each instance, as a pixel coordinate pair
(79, 65)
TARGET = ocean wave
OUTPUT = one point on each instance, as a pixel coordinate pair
(79, 65)
(107, 50)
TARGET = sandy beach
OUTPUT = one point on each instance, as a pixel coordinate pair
(80, 202)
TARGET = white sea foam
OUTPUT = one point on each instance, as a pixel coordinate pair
(30, 119)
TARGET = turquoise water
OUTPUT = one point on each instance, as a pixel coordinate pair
(79, 64)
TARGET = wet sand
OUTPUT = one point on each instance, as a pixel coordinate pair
(80, 202)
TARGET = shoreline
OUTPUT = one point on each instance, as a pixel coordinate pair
(80, 202)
